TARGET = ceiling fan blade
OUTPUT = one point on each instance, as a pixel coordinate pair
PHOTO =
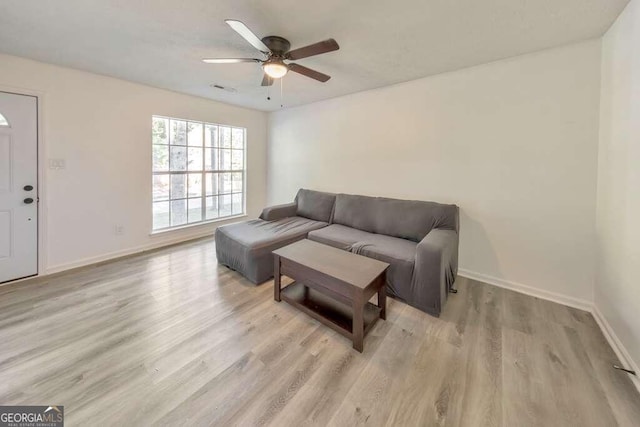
(325, 46)
(248, 35)
(229, 60)
(267, 81)
(317, 75)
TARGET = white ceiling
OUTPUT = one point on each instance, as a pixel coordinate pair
(382, 42)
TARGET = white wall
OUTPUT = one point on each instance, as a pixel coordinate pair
(617, 292)
(102, 128)
(513, 143)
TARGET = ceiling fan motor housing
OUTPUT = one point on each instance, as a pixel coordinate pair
(278, 45)
(278, 49)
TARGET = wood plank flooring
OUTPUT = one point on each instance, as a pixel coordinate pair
(172, 338)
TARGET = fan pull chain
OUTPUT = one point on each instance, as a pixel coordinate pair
(281, 92)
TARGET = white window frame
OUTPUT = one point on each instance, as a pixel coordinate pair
(204, 172)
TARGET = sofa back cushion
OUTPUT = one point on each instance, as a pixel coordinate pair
(407, 219)
(315, 205)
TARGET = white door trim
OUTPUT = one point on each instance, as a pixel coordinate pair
(42, 177)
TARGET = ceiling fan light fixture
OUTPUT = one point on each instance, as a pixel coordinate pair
(275, 70)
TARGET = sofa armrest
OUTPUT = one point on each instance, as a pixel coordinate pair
(436, 268)
(274, 213)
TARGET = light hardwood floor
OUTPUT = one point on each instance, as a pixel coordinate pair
(172, 338)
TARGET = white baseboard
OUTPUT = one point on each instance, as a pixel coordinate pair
(621, 351)
(578, 303)
(126, 252)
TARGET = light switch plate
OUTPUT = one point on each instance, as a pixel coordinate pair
(56, 164)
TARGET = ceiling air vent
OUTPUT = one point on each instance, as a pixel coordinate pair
(227, 89)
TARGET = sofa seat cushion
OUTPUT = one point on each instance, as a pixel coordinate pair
(246, 246)
(399, 253)
(257, 234)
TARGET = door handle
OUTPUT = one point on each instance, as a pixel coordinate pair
(28, 187)
(28, 200)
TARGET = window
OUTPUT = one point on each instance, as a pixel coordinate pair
(198, 172)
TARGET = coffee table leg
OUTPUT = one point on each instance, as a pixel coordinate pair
(276, 278)
(358, 323)
(382, 300)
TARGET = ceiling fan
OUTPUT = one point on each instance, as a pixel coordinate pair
(276, 49)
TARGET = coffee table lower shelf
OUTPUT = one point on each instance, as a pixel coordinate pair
(328, 311)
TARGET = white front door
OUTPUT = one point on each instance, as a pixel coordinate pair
(18, 186)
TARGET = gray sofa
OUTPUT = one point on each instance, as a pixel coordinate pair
(418, 239)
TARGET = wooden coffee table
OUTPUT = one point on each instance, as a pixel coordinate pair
(332, 286)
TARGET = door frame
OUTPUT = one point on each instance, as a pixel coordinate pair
(41, 179)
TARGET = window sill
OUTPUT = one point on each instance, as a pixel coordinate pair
(196, 225)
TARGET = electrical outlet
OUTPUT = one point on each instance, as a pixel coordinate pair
(119, 230)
